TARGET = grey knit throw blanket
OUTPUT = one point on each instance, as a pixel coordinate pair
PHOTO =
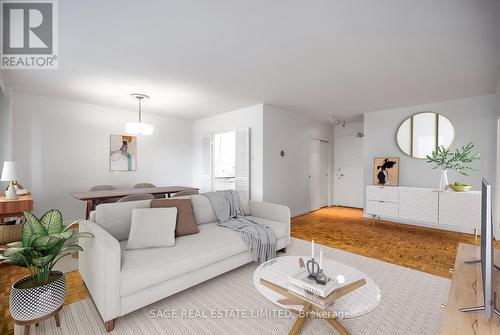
(260, 239)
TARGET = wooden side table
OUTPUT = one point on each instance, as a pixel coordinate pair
(13, 208)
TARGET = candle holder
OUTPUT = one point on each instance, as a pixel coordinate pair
(321, 278)
(316, 273)
(312, 268)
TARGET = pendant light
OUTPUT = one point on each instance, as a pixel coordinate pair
(139, 128)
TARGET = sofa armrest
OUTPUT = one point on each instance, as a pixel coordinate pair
(100, 266)
(270, 211)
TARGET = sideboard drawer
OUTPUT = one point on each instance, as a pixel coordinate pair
(382, 208)
(382, 193)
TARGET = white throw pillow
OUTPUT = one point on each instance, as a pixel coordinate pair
(152, 228)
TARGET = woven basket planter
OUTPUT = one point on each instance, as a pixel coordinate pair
(10, 233)
(28, 304)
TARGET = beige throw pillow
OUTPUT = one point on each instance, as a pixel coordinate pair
(152, 228)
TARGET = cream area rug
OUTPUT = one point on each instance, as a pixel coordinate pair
(230, 304)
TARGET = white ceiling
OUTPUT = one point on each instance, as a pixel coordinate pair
(330, 57)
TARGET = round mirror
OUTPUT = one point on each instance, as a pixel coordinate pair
(420, 134)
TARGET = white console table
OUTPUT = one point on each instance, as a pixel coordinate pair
(457, 211)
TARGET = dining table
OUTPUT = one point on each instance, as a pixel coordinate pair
(94, 198)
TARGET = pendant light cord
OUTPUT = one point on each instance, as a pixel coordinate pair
(140, 118)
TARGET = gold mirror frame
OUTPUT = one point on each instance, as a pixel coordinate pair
(436, 135)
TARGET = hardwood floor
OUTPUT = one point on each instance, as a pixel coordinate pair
(424, 249)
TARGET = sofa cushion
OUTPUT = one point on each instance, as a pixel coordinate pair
(214, 243)
(147, 267)
(204, 212)
(186, 223)
(116, 218)
(278, 227)
(202, 208)
(245, 203)
(152, 228)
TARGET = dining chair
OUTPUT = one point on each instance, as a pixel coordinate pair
(105, 188)
(136, 197)
(185, 193)
(144, 185)
(102, 188)
(149, 185)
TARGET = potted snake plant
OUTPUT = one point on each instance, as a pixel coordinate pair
(43, 243)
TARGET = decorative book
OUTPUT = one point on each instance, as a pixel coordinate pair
(308, 296)
(301, 280)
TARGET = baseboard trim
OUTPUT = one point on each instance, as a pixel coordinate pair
(299, 213)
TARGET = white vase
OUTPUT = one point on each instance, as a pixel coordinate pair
(443, 183)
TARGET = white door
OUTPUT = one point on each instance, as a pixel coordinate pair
(324, 179)
(318, 173)
(242, 162)
(206, 164)
(348, 167)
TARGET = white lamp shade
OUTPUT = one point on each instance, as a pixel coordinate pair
(138, 128)
(9, 171)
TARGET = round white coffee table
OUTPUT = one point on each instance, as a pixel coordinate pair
(357, 295)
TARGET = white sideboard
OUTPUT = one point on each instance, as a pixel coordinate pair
(458, 211)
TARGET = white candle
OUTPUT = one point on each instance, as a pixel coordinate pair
(312, 249)
(321, 258)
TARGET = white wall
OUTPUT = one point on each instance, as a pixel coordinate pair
(62, 147)
(286, 178)
(250, 117)
(3, 88)
(474, 119)
(5, 129)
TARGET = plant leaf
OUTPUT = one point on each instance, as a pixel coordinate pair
(52, 222)
(17, 244)
(63, 236)
(44, 242)
(68, 227)
(56, 248)
(31, 226)
(13, 261)
(17, 259)
(71, 247)
(59, 258)
(13, 251)
(82, 235)
(42, 261)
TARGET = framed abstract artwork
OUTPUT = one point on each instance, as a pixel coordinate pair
(386, 171)
(122, 153)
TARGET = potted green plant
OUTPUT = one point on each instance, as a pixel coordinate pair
(457, 160)
(43, 243)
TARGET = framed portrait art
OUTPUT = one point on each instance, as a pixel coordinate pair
(122, 153)
(386, 171)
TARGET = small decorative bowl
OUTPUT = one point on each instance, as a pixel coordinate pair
(460, 188)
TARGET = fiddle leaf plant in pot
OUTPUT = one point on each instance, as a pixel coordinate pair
(43, 243)
(457, 160)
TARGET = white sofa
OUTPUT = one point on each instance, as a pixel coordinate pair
(121, 281)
